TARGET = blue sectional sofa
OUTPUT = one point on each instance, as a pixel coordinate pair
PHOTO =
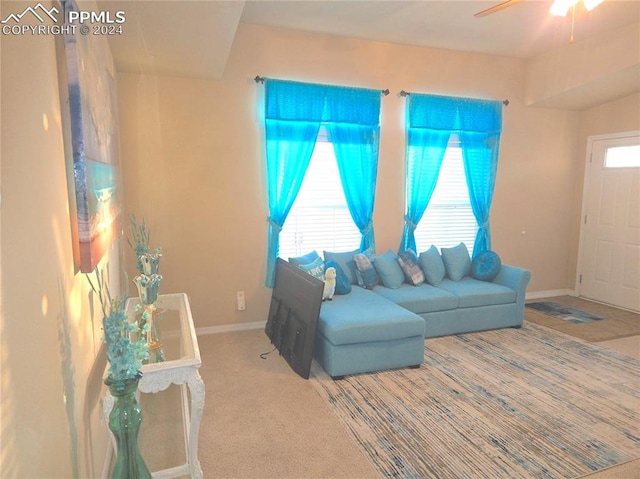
(385, 327)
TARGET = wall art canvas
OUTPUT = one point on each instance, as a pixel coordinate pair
(93, 155)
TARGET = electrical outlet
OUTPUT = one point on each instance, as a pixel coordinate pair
(240, 300)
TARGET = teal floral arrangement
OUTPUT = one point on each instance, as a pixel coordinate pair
(148, 285)
(126, 344)
(148, 262)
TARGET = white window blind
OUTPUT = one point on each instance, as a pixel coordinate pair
(319, 219)
(448, 219)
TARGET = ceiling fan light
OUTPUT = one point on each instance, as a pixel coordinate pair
(560, 8)
(591, 4)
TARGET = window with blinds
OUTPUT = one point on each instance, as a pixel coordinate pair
(319, 219)
(448, 219)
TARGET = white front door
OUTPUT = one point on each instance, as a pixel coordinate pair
(610, 264)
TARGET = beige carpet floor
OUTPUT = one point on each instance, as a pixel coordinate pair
(262, 421)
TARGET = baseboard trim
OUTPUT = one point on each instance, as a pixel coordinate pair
(550, 294)
(230, 328)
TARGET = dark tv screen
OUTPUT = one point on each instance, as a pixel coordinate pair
(293, 315)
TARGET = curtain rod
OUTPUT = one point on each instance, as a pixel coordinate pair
(259, 79)
(406, 93)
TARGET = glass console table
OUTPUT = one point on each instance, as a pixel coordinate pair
(176, 361)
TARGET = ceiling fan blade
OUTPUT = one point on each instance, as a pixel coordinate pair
(496, 8)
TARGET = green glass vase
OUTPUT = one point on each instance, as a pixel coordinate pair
(124, 422)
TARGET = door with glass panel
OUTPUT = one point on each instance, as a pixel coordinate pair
(610, 260)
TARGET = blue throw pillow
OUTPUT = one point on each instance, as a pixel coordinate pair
(486, 266)
(367, 276)
(305, 259)
(343, 285)
(410, 265)
(389, 270)
(345, 260)
(457, 262)
(315, 269)
(432, 266)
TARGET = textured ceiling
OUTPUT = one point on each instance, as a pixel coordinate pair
(522, 30)
(193, 38)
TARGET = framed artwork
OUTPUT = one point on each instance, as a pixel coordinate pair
(89, 103)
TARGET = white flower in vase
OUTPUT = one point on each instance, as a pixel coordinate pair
(148, 286)
(150, 263)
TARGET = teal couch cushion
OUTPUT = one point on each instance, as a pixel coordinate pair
(364, 316)
(345, 260)
(457, 261)
(432, 265)
(305, 259)
(472, 292)
(315, 268)
(420, 299)
(389, 269)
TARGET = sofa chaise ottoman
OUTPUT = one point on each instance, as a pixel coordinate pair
(362, 332)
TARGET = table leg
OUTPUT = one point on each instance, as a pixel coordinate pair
(196, 388)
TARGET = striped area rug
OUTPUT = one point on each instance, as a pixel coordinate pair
(511, 403)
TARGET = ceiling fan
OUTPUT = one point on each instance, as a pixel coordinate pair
(559, 7)
(496, 8)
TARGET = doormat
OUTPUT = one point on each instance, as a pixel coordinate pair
(565, 313)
